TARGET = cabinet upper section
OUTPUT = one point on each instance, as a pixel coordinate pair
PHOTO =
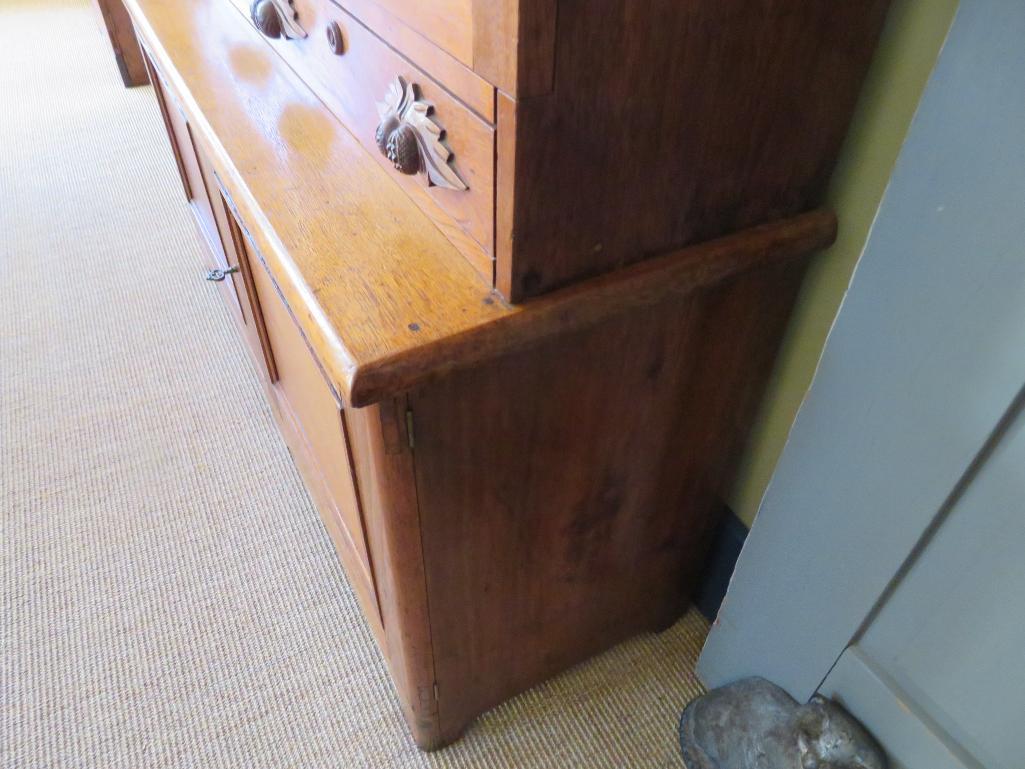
(556, 140)
(619, 161)
(509, 43)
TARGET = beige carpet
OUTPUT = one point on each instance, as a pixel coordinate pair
(169, 597)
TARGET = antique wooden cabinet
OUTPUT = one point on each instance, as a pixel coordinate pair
(514, 273)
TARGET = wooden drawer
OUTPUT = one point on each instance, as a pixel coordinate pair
(314, 426)
(448, 23)
(354, 82)
(509, 43)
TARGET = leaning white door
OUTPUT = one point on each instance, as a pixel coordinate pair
(939, 672)
(887, 562)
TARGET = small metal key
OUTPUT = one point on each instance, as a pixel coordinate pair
(218, 275)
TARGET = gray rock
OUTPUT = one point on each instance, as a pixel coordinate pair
(754, 724)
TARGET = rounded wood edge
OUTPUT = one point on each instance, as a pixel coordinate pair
(673, 276)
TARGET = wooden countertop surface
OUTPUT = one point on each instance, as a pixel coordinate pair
(381, 295)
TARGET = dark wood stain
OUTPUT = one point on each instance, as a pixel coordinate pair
(671, 123)
(514, 487)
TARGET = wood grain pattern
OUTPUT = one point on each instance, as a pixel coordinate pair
(466, 85)
(318, 438)
(158, 92)
(514, 44)
(512, 488)
(353, 256)
(241, 294)
(193, 179)
(118, 23)
(567, 493)
(589, 303)
(449, 23)
(352, 85)
(383, 297)
(255, 328)
(671, 123)
(384, 465)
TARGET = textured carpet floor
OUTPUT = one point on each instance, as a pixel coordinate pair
(169, 597)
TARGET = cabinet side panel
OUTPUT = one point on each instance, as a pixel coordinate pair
(514, 44)
(672, 123)
(567, 494)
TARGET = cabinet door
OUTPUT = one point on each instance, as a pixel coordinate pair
(313, 424)
(243, 290)
(188, 164)
(225, 256)
(203, 191)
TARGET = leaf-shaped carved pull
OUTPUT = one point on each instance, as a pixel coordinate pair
(411, 140)
(276, 18)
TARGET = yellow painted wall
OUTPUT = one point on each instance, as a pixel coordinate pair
(912, 38)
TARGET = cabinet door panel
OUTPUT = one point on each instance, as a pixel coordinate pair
(318, 432)
(189, 166)
(225, 258)
(254, 328)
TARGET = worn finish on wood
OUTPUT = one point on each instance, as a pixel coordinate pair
(687, 121)
(449, 23)
(385, 467)
(466, 85)
(129, 58)
(514, 44)
(567, 492)
(509, 487)
(671, 123)
(357, 263)
(352, 85)
(380, 293)
(590, 303)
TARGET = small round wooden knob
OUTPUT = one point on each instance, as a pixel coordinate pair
(335, 40)
(266, 18)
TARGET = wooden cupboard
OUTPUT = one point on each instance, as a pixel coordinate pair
(514, 319)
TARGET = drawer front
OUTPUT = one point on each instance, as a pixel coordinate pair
(314, 427)
(353, 82)
(447, 23)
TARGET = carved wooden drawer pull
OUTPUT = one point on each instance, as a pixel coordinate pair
(276, 18)
(411, 140)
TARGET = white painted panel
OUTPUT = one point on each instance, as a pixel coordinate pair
(926, 354)
(911, 741)
(952, 634)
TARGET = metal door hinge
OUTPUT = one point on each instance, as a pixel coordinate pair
(409, 428)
